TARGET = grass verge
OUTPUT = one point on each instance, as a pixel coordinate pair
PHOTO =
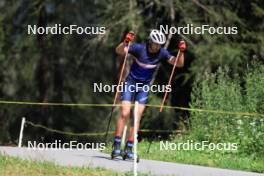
(219, 159)
(13, 166)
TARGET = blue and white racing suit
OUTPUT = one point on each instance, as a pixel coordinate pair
(137, 83)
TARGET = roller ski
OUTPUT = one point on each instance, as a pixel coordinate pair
(116, 148)
(128, 152)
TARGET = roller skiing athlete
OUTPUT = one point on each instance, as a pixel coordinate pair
(147, 56)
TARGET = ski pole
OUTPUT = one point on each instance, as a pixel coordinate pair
(116, 94)
(166, 93)
(170, 79)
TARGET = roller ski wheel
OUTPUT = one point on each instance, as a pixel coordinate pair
(130, 156)
(116, 153)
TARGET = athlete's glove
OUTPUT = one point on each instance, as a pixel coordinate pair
(182, 45)
(130, 36)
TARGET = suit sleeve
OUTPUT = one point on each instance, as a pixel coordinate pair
(134, 49)
(166, 55)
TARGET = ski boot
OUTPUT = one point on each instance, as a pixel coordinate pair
(116, 148)
(128, 152)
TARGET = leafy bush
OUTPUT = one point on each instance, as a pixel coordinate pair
(226, 92)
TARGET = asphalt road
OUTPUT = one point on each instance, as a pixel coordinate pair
(91, 158)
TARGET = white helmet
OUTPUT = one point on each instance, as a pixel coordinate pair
(157, 36)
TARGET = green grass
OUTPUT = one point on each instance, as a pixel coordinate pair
(12, 166)
(219, 159)
(231, 160)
